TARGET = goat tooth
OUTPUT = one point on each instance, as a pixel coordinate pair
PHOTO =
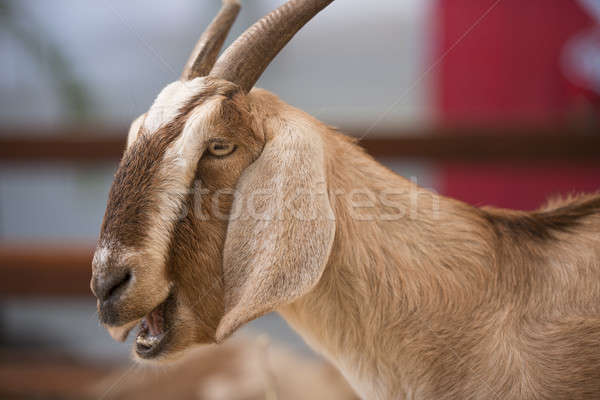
(148, 341)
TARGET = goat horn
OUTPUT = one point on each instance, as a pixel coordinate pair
(247, 58)
(207, 49)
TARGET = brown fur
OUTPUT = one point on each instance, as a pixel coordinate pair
(136, 176)
(412, 296)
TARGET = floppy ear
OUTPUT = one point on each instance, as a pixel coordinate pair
(281, 229)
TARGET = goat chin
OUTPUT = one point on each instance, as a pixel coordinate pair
(120, 333)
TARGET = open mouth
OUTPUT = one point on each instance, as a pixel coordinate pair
(153, 331)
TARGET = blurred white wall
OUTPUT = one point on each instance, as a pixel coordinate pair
(356, 64)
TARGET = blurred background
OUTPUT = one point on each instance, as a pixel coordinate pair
(494, 102)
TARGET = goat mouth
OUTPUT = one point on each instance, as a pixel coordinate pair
(153, 331)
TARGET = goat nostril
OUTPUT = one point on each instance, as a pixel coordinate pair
(119, 285)
(113, 286)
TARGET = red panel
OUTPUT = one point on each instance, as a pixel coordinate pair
(506, 69)
(521, 187)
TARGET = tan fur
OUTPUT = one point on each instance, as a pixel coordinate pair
(454, 302)
(412, 295)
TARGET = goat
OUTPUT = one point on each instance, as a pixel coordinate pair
(229, 204)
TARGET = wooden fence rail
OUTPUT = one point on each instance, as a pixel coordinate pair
(443, 144)
(45, 270)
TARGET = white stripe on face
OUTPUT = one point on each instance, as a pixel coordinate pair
(176, 176)
(134, 129)
(100, 259)
(169, 102)
(173, 179)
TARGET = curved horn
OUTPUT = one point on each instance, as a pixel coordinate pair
(246, 59)
(207, 49)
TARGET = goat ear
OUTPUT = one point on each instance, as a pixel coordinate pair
(281, 229)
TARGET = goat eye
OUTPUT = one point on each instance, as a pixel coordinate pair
(220, 149)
